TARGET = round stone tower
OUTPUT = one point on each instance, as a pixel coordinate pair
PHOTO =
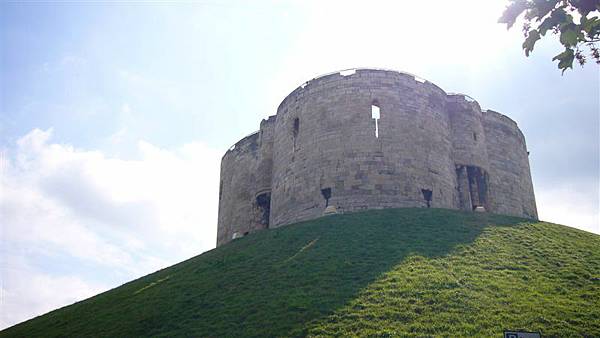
(368, 139)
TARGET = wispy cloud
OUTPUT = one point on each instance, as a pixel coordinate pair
(66, 206)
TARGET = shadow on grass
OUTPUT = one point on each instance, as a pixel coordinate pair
(272, 283)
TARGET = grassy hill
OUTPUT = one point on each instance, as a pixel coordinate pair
(395, 272)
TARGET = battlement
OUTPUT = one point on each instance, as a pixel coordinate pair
(361, 139)
(341, 78)
(491, 114)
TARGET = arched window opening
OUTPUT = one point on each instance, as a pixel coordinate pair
(263, 203)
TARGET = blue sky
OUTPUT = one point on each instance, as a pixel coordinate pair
(113, 119)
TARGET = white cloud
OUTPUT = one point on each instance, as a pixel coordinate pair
(129, 217)
(26, 292)
(125, 108)
(570, 204)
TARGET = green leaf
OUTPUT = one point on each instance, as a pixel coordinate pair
(546, 25)
(565, 59)
(559, 15)
(591, 26)
(584, 7)
(530, 41)
(512, 12)
(568, 38)
(555, 19)
(545, 7)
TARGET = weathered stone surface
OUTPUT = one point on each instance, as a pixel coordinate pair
(432, 149)
(330, 210)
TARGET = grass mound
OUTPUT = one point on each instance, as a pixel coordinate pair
(395, 272)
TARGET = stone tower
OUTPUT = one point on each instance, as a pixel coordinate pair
(369, 139)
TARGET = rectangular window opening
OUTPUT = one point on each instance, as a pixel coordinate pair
(478, 187)
(376, 115)
(427, 195)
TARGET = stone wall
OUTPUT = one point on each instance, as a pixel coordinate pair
(510, 177)
(245, 175)
(322, 148)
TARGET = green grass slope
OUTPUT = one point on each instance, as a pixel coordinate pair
(395, 272)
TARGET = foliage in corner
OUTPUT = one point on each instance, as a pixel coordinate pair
(575, 21)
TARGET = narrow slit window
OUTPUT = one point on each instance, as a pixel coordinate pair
(326, 195)
(296, 126)
(295, 131)
(475, 136)
(375, 115)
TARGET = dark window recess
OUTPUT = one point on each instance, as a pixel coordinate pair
(295, 131)
(472, 187)
(478, 186)
(220, 190)
(296, 127)
(475, 136)
(427, 195)
(263, 203)
(326, 195)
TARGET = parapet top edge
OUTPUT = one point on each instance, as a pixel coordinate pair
(271, 118)
(500, 116)
(354, 70)
(242, 140)
(507, 120)
(418, 78)
(465, 96)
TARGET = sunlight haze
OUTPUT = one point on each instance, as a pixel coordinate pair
(114, 118)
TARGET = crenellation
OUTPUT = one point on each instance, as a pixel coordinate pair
(425, 148)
